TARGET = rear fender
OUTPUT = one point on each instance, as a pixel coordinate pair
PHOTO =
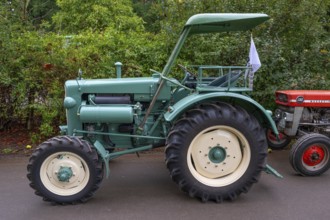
(250, 105)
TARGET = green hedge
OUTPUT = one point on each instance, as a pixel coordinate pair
(37, 57)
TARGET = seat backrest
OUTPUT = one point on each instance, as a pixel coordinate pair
(233, 78)
(224, 81)
(218, 81)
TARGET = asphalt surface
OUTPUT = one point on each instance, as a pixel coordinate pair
(140, 188)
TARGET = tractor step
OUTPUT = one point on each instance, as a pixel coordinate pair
(270, 170)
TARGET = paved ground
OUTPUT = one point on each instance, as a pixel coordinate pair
(140, 188)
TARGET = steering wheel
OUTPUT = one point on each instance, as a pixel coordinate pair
(189, 76)
(187, 71)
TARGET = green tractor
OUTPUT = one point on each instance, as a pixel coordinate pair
(214, 133)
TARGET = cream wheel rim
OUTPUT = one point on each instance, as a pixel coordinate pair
(64, 173)
(218, 156)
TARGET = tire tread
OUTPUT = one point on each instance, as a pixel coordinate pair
(196, 116)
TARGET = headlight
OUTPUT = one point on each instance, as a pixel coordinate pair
(277, 113)
(282, 97)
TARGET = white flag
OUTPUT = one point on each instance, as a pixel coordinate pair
(254, 60)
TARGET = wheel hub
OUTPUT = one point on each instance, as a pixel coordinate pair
(220, 157)
(313, 155)
(272, 137)
(217, 154)
(64, 174)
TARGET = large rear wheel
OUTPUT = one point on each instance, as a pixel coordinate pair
(216, 152)
(65, 170)
(309, 156)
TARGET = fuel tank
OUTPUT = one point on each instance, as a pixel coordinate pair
(109, 114)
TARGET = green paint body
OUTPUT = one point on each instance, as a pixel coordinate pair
(136, 114)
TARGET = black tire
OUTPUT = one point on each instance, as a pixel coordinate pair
(65, 170)
(273, 143)
(222, 130)
(309, 156)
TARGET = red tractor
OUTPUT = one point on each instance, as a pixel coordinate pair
(304, 115)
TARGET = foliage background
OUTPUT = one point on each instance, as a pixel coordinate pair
(43, 43)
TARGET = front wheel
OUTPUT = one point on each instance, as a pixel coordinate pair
(216, 152)
(309, 156)
(277, 143)
(65, 170)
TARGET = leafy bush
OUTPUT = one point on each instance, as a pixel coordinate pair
(36, 57)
